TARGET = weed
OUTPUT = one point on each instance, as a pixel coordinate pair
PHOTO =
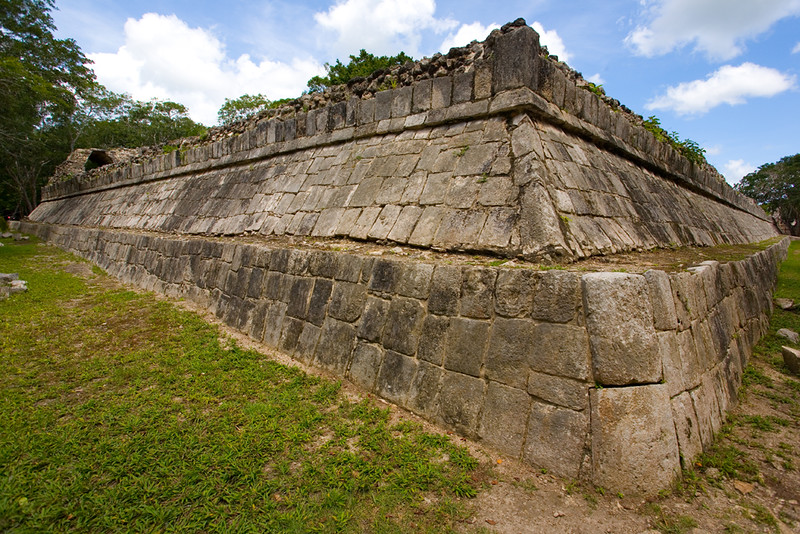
(462, 151)
(731, 462)
(527, 484)
(670, 524)
(759, 514)
(484, 178)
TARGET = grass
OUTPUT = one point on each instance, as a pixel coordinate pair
(123, 413)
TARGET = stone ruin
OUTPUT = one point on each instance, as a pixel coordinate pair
(494, 149)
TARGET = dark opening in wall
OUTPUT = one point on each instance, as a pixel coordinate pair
(96, 159)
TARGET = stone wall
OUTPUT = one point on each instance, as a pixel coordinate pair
(505, 155)
(607, 377)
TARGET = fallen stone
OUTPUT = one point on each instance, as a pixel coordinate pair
(784, 304)
(20, 237)
(791, 357)
(791, 335)
(6, 235)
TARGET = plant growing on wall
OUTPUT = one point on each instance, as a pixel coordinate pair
(690, 149)
(238, 109)
(359, 66)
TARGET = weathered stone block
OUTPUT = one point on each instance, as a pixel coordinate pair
(566, 392)
(477, 292)
(292, 328)
(384, 275)
(508, 356)
(307, 342)
(514, 292)
(318, 305)
(433, 338)
(561, 350)
(619, 318)
(424, 391)
(373, 319)
(365, 366)
(445, 290)
(395, 377)
(557, 296)
(347, 301)
(401, 332)
(299, 296)
(515, 57)
(414, 280)
(466, 345)
(556, 439)
(441, 92)
(634, 447)
(460, 402)
(348, 268)
(503, 424)
(664, 314)
(335, 345)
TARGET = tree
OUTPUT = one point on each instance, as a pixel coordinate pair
(776, 186)
(40, 78)
(359, 66)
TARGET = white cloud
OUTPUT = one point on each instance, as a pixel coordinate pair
(596, 79)
(466, 34)
(735, 169)
(728, 85)
(552, 41)
(717, 28)
(384, 27)
(164, 58)
(796, 49)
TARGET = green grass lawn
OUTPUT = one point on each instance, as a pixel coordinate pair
(121, 413)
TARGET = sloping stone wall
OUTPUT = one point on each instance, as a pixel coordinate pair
(607, 377)
(509, 157)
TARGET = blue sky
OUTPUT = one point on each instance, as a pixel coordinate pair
(724, 73)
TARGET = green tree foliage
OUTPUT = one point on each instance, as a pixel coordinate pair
(359, 66)
(40, 78)
(690, 149)
(51, 104)
(238, 109)
(776, 186)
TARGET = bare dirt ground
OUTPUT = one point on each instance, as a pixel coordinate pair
(748, 482)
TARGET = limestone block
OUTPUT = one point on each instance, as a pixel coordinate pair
(502, 423)
(664, 314)
(427, 226)
(405, 224)
(557, 296)
(514, 292)
(384, 223)
(497, 191)
(292, 328)
(384, 276)
(373, 319)
(433, 338)
(619, 318)
(424, 390)
(477, 159)
(438, 184)
(299, 295)
(671, 359)
(335, 346)
(634, 447)
(566, 392)
(791, 357)
(459, 228)
(462, 87)
(466, 346)
(307, 342)
(366, 364)
(556, 439)
(347, 301)
(383, 105)
(422, 96)
(441, 92)
(477, 292)
(707, 410)
(510, 345)
(686, 427)
(366, 192)
(401, 332)
(460, 402)
(401, 101)
(364, 223)
(445, 290)
(515, 60)
(318, 305)
(691, 370)
(499, 228)
(366, 111)
(348, 267)
(561, 350)
(395, 377)
(414, 280)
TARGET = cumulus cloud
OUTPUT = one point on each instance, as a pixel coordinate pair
(717, 28)
(164, 58)
(596, 79)
(552, 41)
(466, 34)
(735, 169)
(727, 85)
(796, 49)
(382, 27)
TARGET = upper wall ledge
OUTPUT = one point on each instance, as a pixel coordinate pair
(508, 72)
